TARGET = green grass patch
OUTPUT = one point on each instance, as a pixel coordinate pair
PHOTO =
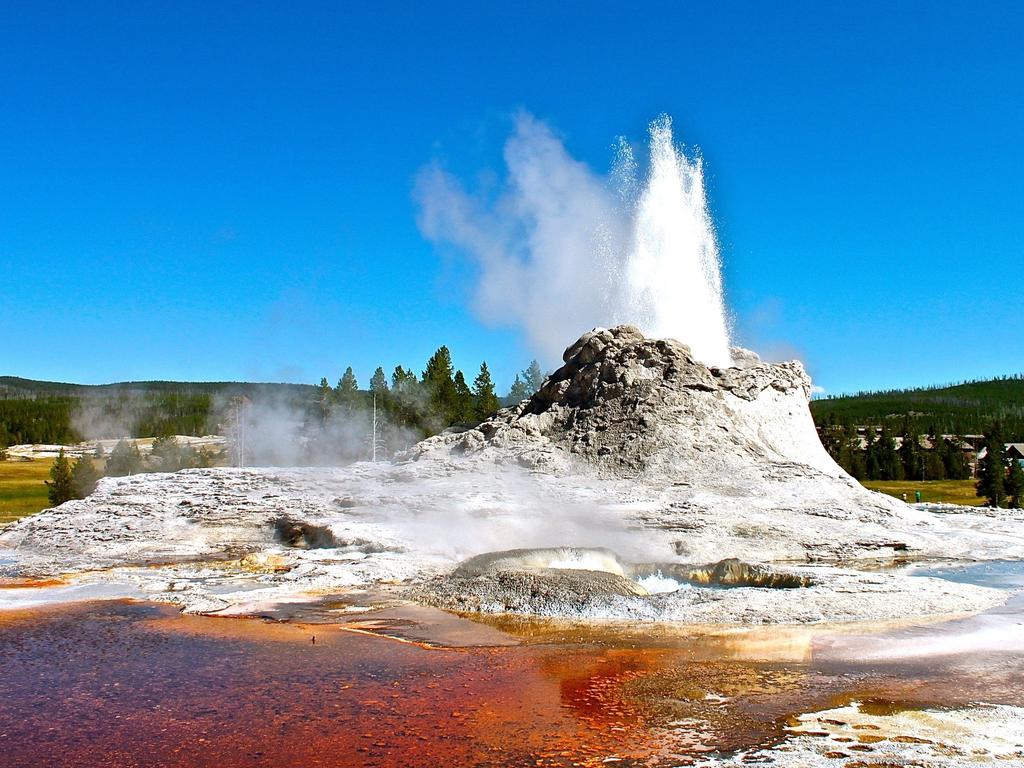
(22, 488)
(935, 491)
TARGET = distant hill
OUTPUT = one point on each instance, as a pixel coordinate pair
(14, 386)
(965, 408)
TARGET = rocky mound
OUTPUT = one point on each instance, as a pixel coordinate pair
(627, 407)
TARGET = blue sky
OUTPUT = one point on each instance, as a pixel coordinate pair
(223, 191)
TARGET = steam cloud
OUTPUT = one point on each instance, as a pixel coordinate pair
(284, 433)
(563, 249)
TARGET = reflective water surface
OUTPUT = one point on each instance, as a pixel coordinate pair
(122, 683)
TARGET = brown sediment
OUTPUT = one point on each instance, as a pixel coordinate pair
(29, 583)
(130, 683)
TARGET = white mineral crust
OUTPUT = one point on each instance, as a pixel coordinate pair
(632, 445)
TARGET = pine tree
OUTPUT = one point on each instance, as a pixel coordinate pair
(61, 488)
(324, 399)
(379, 382)
(403, 381)
(991, 484)
(1015, 485)
(910, 454)
(464, 411)
(953, 459)
(483, 391)
(440, 386)
(347, 384)
(125, 459)
(934, 460)
(346, 393)
(165, 454)
(204, 458)
(871, 468)
(84, 477)
(846, 449)
(519, 391)
(533, 377)
(889, 465)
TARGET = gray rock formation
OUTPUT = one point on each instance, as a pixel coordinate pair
(625, 407)
(628, 406)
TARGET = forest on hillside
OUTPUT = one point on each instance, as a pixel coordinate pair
(968, 408)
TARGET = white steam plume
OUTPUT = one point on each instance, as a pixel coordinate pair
(563, 249)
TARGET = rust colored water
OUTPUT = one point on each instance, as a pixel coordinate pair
(133, 684)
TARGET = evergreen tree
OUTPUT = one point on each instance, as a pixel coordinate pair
(871, 468)
(889, 465)
(204, 458)
(934, 460)
(379, 382)
(165, 454)
(1015, 485)
(61, 487)
(346, 391)
(347, 384)
(171, 456)
(483, 391)
(533, 377)
(84, 477)
(464, 411)
(324, 399)
(846, 452)
(911, 455)
(519, 391)
(858, 462)
(405, 409)
(440, 386)
(125, 459)
(831, 437)
(953, 460)
(991, 484)
(403, 381)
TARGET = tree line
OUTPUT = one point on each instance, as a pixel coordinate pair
(37, 420)
(349, 423)
(879, 455)
(52, 420)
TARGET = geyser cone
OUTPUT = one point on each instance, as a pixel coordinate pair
(732, 450)
(629, 406)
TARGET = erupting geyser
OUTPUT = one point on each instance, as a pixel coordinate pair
(563, 249)
(673, 270)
